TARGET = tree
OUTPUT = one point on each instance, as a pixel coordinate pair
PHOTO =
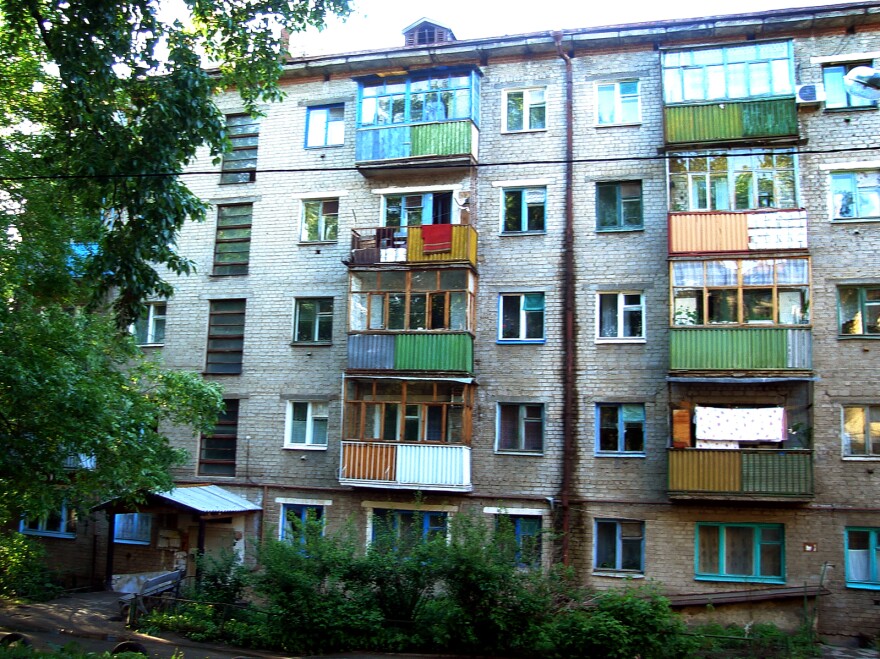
(102, 104)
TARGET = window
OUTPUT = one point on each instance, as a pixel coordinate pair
(859, 310)
(438, 96)
(619, 206)
(413, 210)
(225, 337)
(419, 411)
(619, 546)
(306, 425)
(325, 126)
(746, 292)
(521, 427)
(836, 95)
(728, 72)
(524, 209)
(734, 180)
(314, 320)
(856, 195)
(240, 164)
(862, 551)
(526, 109)
(618, 103)
(320, 220)
(217, 454)
(419, 300)
(621, 316)
(740, 552)
(132, 528)
(620, 428)
(297, 519)
(401, 529)
(525, 531)
(60, 523)
(522, 317)
(861, 431)
(149, 328)
(233, 246)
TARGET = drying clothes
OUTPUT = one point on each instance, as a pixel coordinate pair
(744, 424)
(437, 238)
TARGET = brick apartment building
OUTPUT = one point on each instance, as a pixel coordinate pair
(619, 283)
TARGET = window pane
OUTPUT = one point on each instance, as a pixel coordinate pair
(515, 111)
(508, 427)
(709, 549)
(851, 321)
(758, 305)
(510, 317)
(513, 210)
(723, 306)
(739, 551)
(606, 205)
(609, 438)
(608, 315)
(771, 560)
(606, 545)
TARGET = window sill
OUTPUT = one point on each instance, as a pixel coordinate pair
(314, 147)
(237, 182)
(542, 232)
(143, 543)
(860, 458)
(851, 108)
(524, 130)
(222, 276)
(620, 454)
(855, 220)
(305, 447)
(613, 341)
(863, 586)
(309, 243)
(620, 125)
(50, 534)
(534, 454)
(712, 577)
(306, 344)
(150, 345)
(521, 341)
(619, 229)
(618, 575)
(850, 337)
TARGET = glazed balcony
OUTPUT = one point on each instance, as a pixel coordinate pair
(757, 474)
(730, 121)
(378, 245)
(393, 465)
(435, 352)
(744, 231)
(740, 349)
(444, 144)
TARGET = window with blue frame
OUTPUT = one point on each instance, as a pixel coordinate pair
(837, 96)
(132, 528)
(620, 429)
(297, 520)
(414, 210)
(619, 546)
(525, 531)
(325, 126)
(740, 552)
(403, 529)
(524, 209)
(861, 558)
(60, 523)
(421, 98)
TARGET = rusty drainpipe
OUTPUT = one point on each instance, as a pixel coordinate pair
(569, 347)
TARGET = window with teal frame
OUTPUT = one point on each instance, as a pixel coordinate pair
(752, 553)
(861, 549)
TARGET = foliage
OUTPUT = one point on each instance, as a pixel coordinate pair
(753, 640)
(23, 571)
(68, 651)
(222, 578)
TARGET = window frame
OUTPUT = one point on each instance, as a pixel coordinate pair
(244, 137)
(524, 421)
(522, 319)
(525, 218)
(621, 430)
(618, 100)
(327, 226)
(316, 411)
(872, 583)
(623, 308)
(429, 529)
(620, 205)
(328, 132)
(151, 323)
(519, 523)
(870, 413)
(224, 440)
(757, 544)
(142, 523)
(221, 343)
(619, 539)
(325, 315)
(852, 178)
(850, 101)
(64, 528)
(303, 511)
(864, 304)
(527, 106)
(239, 267)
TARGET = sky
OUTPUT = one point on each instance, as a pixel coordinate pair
(377, 24)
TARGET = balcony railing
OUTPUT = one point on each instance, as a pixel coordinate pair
(436, 352)
(446, 140)
(375, 245)
(749, 473)
(740, 348)
(441, 467)
(725, 231)
(731, 120)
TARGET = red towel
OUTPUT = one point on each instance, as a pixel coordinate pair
(437, 238)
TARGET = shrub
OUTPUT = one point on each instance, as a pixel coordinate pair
(23, 571)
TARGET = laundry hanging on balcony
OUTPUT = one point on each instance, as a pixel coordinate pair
(437, 238)
(744, 424)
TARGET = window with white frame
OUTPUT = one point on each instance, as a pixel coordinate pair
(59, 523)
(733, 180)
(740, 552)
(521, 427)
(621, 316)
(149, 328)
(325, 125)
(836, 94)
(306, 425)
(525, 109)
(618, 103)
(521, 316)
(862, 549)
(313, 321)
(861, 431)
(300, 519)
(525, 531)
(619, 546)
(620, 428)
(524, 209)
(741, 71)
(856, 195)
(320, 220)
(132, 528)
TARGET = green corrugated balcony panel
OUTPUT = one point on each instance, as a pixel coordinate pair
(731, 120)
(740, 348)
(434, 352)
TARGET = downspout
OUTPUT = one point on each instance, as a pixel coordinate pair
(569, 347)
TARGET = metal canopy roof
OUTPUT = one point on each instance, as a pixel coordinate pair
(208, 499)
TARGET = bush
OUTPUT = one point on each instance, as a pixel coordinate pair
(23, 571)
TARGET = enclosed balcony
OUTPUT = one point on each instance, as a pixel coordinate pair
(728, 231)
(731, 121)
(757, 474)
(449, 243)
(740, 349)
(436, 467)
(440, 352)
